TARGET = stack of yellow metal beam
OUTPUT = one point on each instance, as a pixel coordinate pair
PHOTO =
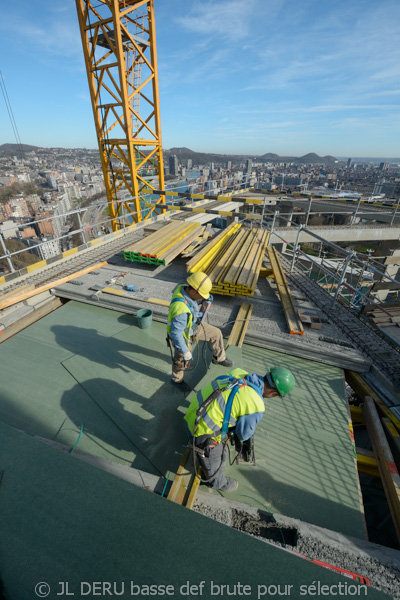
(232, 260)
(162, 246)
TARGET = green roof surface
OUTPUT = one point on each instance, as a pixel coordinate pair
(66, 522)
(87, 368)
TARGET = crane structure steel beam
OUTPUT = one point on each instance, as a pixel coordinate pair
(119, 47)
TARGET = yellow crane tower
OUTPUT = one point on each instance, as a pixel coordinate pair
(119, 46)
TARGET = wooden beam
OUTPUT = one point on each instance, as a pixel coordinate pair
(34, 316)
(239, 328)
(362, 389)
(185, 485)
(386, 465)
(17, 291)
(48, 286)
(289, 308)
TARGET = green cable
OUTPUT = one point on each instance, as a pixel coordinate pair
(80, 435)
(166, 481)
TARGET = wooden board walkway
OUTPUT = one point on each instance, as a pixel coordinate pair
(185, 485)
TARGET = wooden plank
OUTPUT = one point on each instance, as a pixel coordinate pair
(239, 328)
(266, 272)
(393, 438)
(289, 308)
(179, 488)
(48, 286)
(386, 465)
(211, 247)
(362, 389)
(34, 316)
(15, 292)
(194, 488)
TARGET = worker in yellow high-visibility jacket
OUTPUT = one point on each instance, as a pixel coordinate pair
(233, 403)
(184, 315)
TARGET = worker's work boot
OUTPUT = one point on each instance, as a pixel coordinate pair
(230, 486)
(182, 385)
(223, 363)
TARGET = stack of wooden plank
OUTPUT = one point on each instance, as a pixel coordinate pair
(383, 319)
(161, 247)
(198, 243)
(232, 260)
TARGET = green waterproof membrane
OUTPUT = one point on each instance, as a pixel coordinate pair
(70, 530)
(85, 368)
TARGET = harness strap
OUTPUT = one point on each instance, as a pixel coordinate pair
(185, 302)
(228, 409)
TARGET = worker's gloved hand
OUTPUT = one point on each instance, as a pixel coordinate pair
(187, 359)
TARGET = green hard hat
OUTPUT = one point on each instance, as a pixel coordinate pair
(283, 379)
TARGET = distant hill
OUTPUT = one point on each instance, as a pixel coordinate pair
(205, 157)
(15, 148)
(307, 159)
(200, 157)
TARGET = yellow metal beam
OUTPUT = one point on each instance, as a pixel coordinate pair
(362, 389)
(119, 47)
(384, 457)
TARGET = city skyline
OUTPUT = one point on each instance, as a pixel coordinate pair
(268, 77)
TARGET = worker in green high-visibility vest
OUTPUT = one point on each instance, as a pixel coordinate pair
(231, 404)
(190, 302)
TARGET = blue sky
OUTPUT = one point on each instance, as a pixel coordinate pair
(236, 76)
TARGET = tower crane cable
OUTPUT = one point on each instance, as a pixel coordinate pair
(11, 114)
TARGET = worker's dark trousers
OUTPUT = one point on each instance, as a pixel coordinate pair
(211, 463)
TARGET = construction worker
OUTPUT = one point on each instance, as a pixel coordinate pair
(186, 322)
(231, 404)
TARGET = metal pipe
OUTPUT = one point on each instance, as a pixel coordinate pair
(342, 276)
(296, 247)
(273, 222)
(333, 276)
(356, 211)
(6, 253)
(308, 212)
(80, 225)
(395, 210)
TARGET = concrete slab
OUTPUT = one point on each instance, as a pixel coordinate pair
(267, 325)
(80, 525)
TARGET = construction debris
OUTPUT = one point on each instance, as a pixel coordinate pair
(232, 260)
(161, 247)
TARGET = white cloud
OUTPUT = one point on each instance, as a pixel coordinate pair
(230, 19)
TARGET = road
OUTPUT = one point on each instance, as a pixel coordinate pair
(91, 216)
(374, 213)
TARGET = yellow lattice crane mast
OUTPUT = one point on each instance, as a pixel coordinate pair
(119, 46)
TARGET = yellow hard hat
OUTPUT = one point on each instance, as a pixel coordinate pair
(201, 283)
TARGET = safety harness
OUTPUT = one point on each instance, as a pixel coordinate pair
(168, 338)
(234, 384)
